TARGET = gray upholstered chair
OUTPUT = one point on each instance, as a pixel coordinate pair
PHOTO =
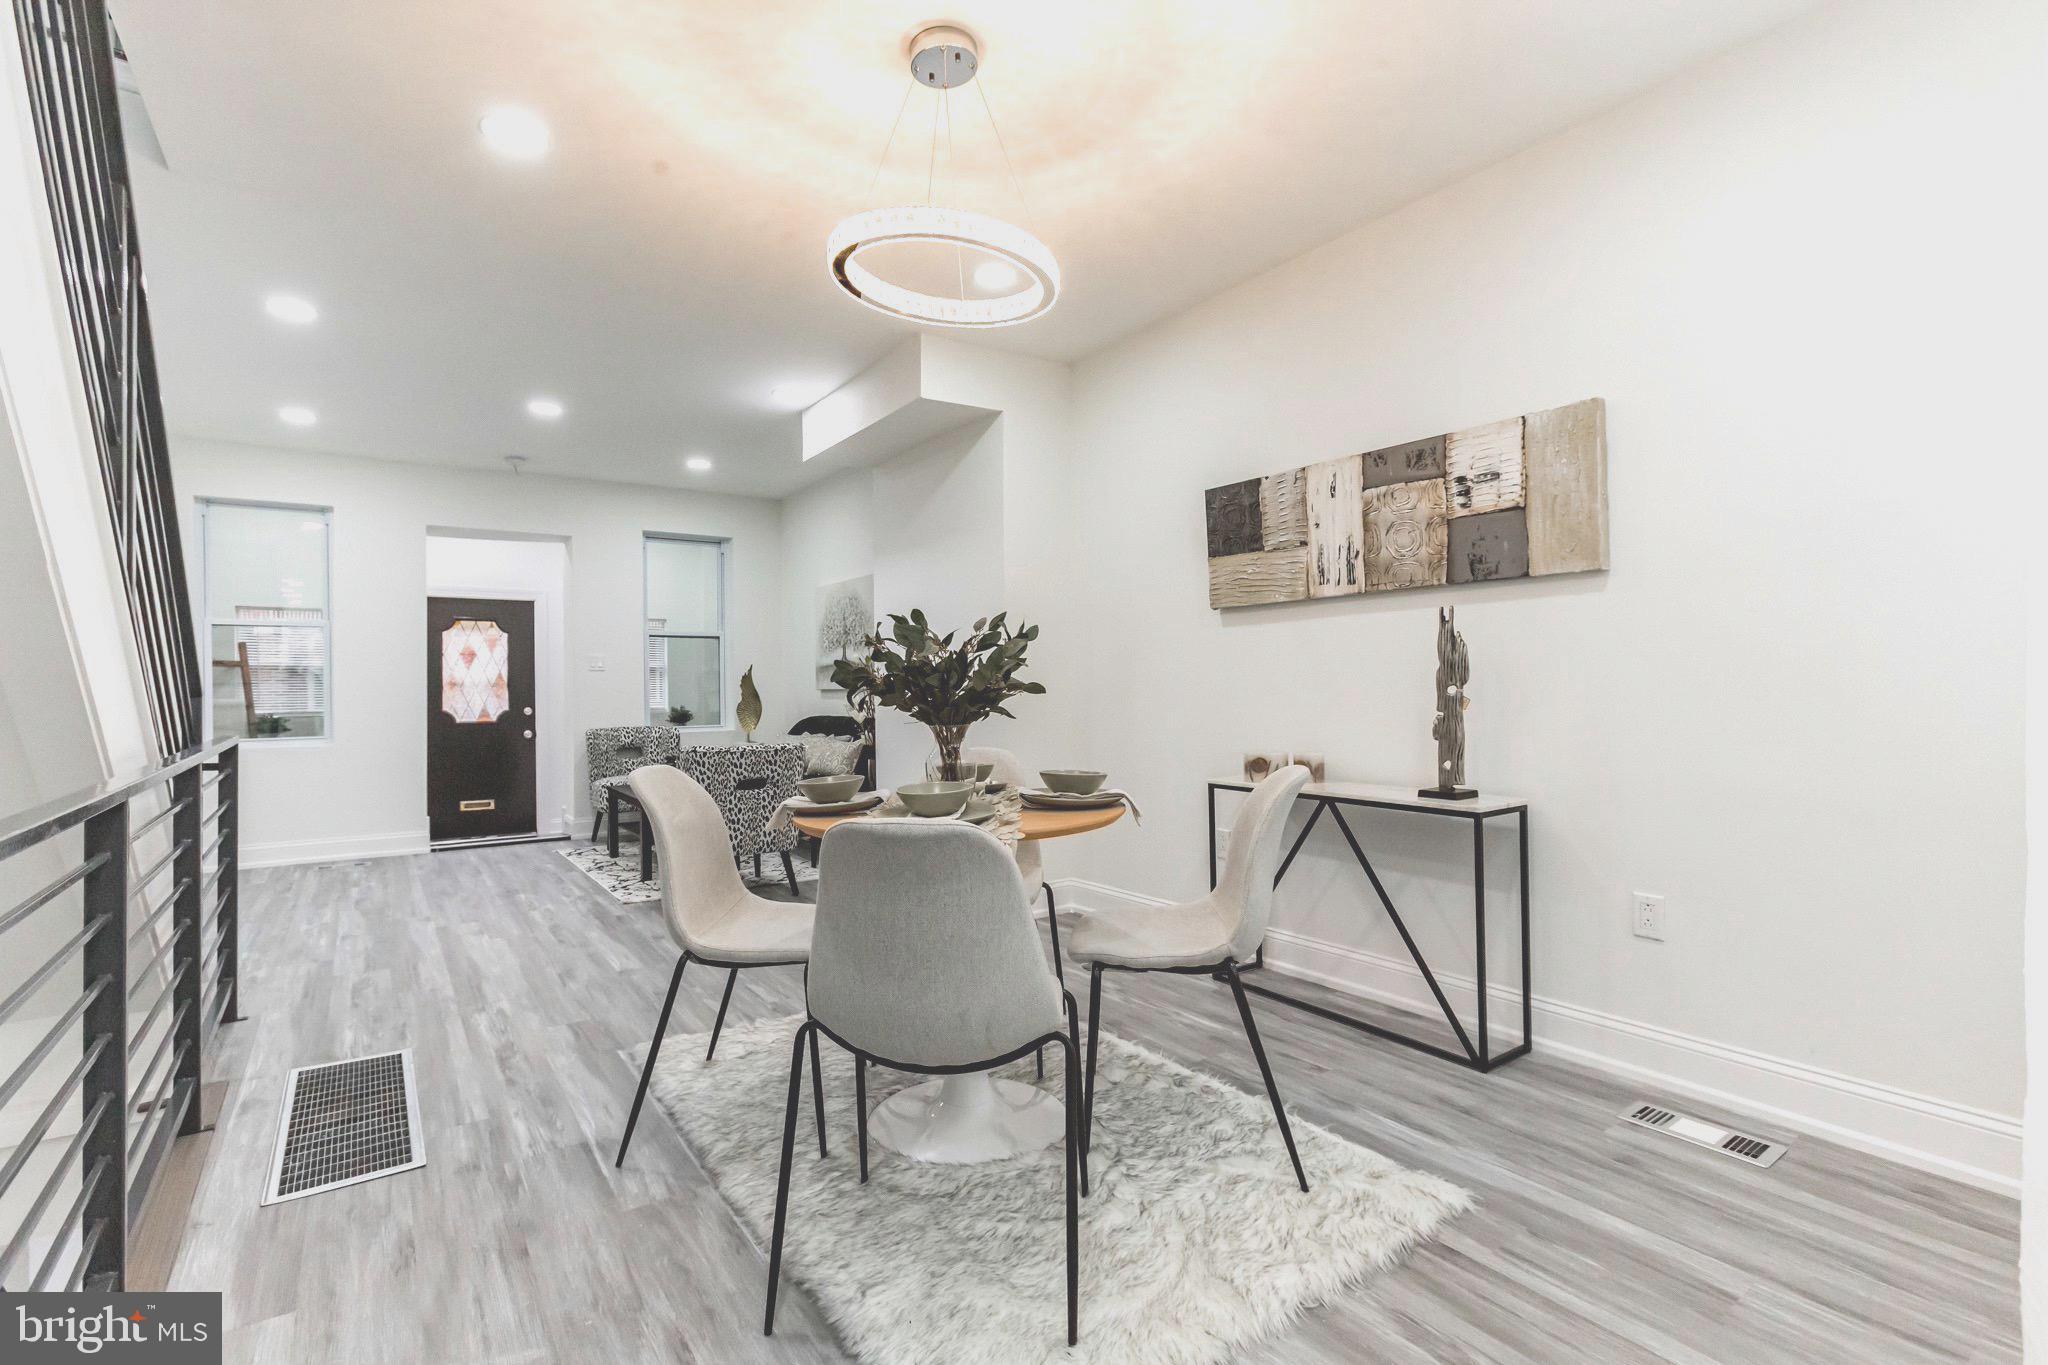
(1206, 937)
(711, 914)
(925, 959)
(615, 750)
(1030, 862)
(748, 781)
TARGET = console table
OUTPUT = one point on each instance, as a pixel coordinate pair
(1331, 798)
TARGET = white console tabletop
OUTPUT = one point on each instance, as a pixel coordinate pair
(1396, 798)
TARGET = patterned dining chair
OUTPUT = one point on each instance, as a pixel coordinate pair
(615, 750)
(748, 781)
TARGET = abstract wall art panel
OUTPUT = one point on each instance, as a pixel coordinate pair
(1488, 546)
(1483, 467)
(1262, 576)
(1405, 463)
(1522, 498)
(1235, 518)
(1336, 527)
(1405, 535)
(1566, 459)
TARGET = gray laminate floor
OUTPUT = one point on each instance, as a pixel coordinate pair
(518, 983)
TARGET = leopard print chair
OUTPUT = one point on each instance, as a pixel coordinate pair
(615, 750)
(748, 781)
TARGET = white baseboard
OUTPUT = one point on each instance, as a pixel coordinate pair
(1953, 1140)
(346, 850)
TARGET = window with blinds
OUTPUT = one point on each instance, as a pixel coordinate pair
(685, 661)
(270, 671)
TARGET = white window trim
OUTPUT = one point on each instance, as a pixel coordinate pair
(209, 620)
(647, 637)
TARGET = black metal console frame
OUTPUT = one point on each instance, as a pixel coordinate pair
(1479, 1057)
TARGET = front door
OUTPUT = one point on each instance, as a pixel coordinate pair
(480, 722)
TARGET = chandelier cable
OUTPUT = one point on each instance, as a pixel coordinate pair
(890, 141)
(1016, 186)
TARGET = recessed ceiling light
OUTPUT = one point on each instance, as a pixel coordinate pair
(514, 133)
(698, 464)
(995, 276)
(547, 408)
(294, 415)
(290, 308)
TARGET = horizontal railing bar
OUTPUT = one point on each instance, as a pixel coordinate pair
(207, 852)
(85, 1189)
(85, 1251)
(212, 778)
(51, 892)
(142, 1029)
(143, 881)
(226, 861)
(31, 827)
(222, 990)
(142, 977)
(49, 969)
(220, 808)
(42, 1049)
(157, 819)
(26, 1148)
(139, 1090)
(138, 1155)
(170, 903)
(62, 1169)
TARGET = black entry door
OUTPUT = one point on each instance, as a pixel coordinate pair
(480, 722)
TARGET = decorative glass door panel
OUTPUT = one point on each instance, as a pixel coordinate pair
(475, 664)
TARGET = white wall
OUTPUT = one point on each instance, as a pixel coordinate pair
(461, 564)
(1792, 706)
(363, 791)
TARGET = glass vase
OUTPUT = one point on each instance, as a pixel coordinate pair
(949, 738)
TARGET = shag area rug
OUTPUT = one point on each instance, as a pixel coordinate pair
(620, 876)
(1195, 1240)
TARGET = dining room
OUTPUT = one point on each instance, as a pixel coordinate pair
(1082, 683)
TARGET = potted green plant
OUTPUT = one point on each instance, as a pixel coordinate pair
(680, 716)
(944, 684)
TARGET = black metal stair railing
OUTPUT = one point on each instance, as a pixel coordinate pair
(144, 919)
(67, 56)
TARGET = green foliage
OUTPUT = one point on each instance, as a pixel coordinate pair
(680, 715)
(267, 726)
(934, 680)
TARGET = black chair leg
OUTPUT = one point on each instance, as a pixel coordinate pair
(1073, 1203)
(1251, 1031)
(1073, 1053)
(653, 1051)
(1052, 917)
(757, 867)
(789, 871)
(860, 1110)
(596, 823)
(796, 1082)
(732, 978)
(1094, 1034)
(818, 1092)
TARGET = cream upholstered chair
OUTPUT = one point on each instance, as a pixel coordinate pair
(712, 915)
(1206, 937)
(926, 960)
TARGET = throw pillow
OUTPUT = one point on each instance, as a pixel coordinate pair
(829, 755)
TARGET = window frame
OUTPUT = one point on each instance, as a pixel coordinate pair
(648, 636)
(208, 621)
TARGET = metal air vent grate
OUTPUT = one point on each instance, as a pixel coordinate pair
(1756, 1151)
(343, 1123)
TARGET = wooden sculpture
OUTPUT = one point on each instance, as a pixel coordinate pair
(1453, 670)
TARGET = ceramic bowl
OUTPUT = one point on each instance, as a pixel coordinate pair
(1078, 781)
(828, 791)
(935, 798)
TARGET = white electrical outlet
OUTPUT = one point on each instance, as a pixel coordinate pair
(1647, 915)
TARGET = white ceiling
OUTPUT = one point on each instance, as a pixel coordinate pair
(663, 269)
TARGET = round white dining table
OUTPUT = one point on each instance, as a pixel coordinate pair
(973, 1116)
